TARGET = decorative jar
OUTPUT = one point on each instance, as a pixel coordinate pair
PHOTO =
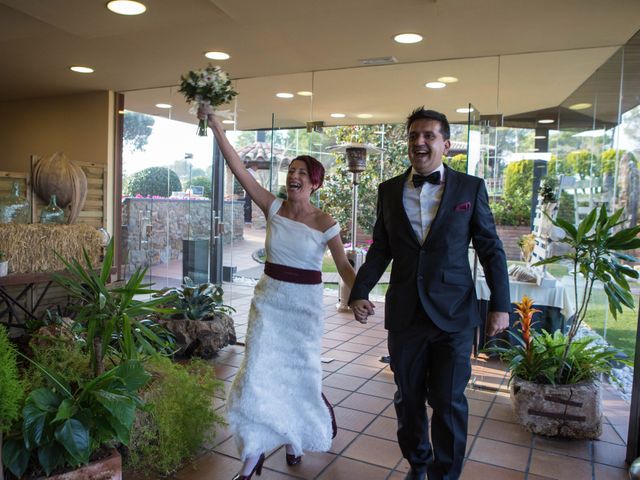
(14, 208)
(52, 213)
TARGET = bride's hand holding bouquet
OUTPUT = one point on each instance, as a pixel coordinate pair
(205, 89)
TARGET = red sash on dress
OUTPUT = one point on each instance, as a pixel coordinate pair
(292, 275)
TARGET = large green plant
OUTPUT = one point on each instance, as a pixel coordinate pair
(11, 387)
(539, 356)
(154, 181)
(64, 424)
(111, 317)
(196, 301)
(596, 251)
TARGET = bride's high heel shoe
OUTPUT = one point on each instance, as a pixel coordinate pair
(293, 459)
(257, 469)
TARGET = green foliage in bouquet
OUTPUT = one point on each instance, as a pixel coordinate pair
(179, 418)
(208, 87)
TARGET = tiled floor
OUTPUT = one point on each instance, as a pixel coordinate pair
(361, 388)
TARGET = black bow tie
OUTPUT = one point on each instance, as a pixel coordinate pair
(433, 178)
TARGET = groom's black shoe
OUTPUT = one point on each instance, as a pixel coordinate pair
(415, 475)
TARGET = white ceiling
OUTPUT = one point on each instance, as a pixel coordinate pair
(511, 56)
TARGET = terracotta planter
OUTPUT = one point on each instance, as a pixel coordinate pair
(109, 468)
(571, 411)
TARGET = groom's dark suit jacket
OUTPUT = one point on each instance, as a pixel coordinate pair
(436, 273)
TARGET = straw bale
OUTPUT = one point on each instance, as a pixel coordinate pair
(30, 248)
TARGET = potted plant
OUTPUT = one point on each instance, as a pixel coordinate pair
(64, 426)
(4, 264)
(110, 315)
(200, 323)
(554, 376)
(11, 388)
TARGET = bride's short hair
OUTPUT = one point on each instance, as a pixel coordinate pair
(314, 167)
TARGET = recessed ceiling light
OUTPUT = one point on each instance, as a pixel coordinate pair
(364, 115)
(464, 110)
(546, 120)
(79, 69)
(126, 7)
(228, 122)
(305, 93)
(448, 79)
(163, 105)
(540, 137)
(284, 95)
(435, 85)
(338, 115)
(535, 149)
(580, 106)
(408, 38)
(217, 55)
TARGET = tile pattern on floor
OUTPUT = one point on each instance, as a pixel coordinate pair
(361, 389)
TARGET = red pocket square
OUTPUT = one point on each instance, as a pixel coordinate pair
(462, 207)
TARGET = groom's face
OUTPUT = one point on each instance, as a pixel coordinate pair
(426, 145)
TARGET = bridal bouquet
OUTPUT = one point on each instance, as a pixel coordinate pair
(207, 87)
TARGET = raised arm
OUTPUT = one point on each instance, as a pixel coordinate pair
(258, 194)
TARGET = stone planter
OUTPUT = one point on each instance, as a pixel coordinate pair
(201, 338)
(571, 411)
(109, 468)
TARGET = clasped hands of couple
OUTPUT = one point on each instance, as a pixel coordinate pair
(497, 322)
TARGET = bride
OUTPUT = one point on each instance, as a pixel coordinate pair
(276, 397)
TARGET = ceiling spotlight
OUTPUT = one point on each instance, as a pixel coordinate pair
(580, 106)
(229, 122)
(305, 93)
(408, 38)
(163, 105)
(364, 115)
(79, 69)
(546, 120)
(284, 95)
(338, 115)
(217, 55)
(435, 85)
(540, 137)
(126, 7)
(448, 79)
(464, 110)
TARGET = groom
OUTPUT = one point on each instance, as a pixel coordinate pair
(425, 220)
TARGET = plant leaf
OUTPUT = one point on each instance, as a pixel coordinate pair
(75, 439)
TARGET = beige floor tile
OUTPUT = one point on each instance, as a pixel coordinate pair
(374, 450)
(609, 454)
(211, 465)
(503, 412)
(346, 382)
(335, 395)
(383, 427)
(362, 371)
(505, 432)
(476, 470)
(379, 389)
(605, 472)
(353, 419)
(365, 403)
(564, 446)
(348, 469)
(353, 347)
(500, 454)
(559, 466)
(310, 467)
(342, 440)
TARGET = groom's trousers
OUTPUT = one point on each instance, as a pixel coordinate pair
(431, 365)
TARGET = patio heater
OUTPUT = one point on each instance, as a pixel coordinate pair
(356, 155)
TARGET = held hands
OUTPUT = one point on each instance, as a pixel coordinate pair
(497, 323)
(362, 309)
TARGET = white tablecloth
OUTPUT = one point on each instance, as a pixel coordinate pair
(554, 296)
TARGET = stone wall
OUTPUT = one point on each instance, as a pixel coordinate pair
(153, 229)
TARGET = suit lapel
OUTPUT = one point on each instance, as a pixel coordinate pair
(451, 183)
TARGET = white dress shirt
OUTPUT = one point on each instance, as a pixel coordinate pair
(421, 204)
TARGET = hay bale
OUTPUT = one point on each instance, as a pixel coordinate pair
(30, 248)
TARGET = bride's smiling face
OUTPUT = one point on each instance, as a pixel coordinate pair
(298, 180)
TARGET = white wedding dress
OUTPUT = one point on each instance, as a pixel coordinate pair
(276, 396)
